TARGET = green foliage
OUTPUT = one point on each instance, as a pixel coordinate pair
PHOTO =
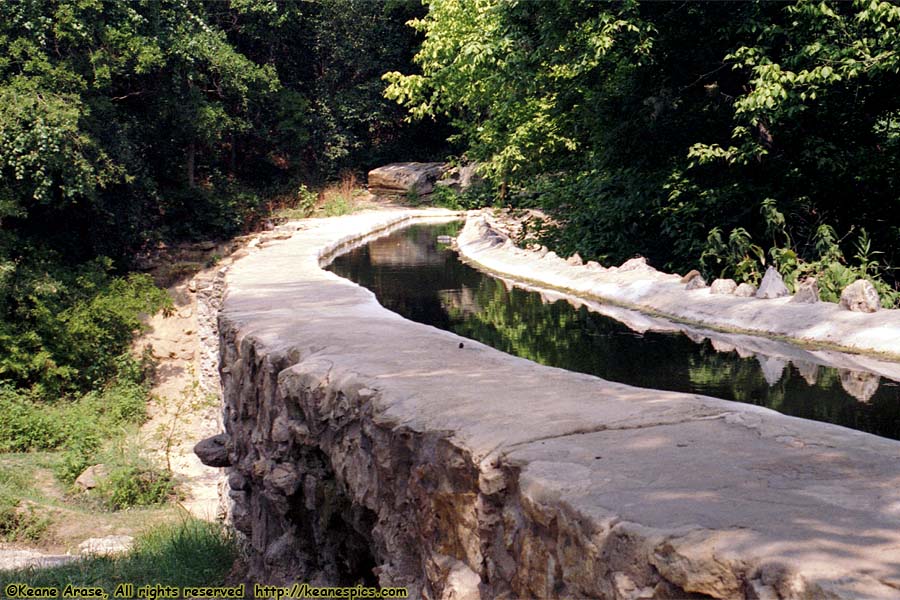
(739, 258)
(79, 427)
(743, 260)
(642, 126)
(337, 206)
(126, 124)
(475, 196)
(191, 553)
(446, 197)
(135, 485)
(65, 330)
(19, 521)
(514, 62)
(306, 200)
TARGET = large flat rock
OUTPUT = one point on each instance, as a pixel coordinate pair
(403, 178)
(471, 473)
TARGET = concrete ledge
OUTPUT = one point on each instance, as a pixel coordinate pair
(358, 439)
(823, 324)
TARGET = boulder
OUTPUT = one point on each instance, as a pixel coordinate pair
(723, 286)
(745, 290)
(460, 178)
(213, 451)
(574, 260)
(634, 264)
(807, 292)
(690, 275)
(860, 296)
(92, 476)
(284, 478)
(696, 283)
(403, 178)
(772, 285)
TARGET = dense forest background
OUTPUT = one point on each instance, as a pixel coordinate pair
(729, 135)
(726, 136)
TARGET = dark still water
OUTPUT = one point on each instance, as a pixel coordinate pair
(414, 275)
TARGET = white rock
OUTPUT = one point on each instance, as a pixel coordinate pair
(27, 559)
(807, 292)
(696, 283)
(809, 371)
(634, 264)
(745, 290)
(772, 368)
(860, 296)
(723, 286)
(772, 285)
(859, 384)
(110, 545)
(92, 476)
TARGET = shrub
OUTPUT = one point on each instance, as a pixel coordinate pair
(475, 196)
(135, 485)
(18, 520)
(743, 260)
(79, 454)
(25, 425)
(76, 426)
(65, 330)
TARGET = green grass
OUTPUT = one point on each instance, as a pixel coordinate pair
(190, 553)
(19, 520)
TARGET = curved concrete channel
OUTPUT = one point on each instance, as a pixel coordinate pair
(361, 443)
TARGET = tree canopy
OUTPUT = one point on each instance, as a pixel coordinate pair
(651, 127)
(124, 125)
(728, 136)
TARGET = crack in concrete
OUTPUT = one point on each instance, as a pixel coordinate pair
(602, 428)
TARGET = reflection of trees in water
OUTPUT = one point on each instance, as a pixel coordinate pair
(516, 323)
(876, 411)
(519, 323)
(440, 290)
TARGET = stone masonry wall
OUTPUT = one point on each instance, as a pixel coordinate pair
(328, 492)
(363, 448)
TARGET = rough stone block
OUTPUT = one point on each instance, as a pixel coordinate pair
(772, 285)
(723, 286)
(745, 290)
(860, 296)
(807, 292)
(403, 178)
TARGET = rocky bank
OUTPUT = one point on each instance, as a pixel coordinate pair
(637, 285)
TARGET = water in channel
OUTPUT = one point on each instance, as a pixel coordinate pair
(412, 274)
